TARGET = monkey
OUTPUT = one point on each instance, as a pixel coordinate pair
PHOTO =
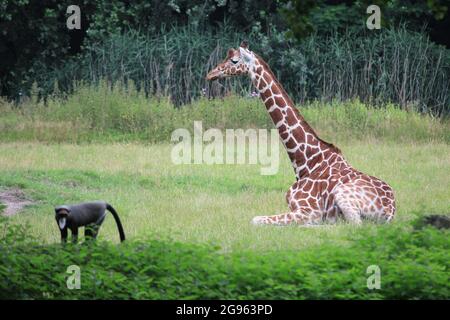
(89, 215)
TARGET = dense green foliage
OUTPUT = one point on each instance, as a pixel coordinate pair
(325, 16)
(401, 67)
(119, 113)
(413, 263)
(167, 47)
(34, 35)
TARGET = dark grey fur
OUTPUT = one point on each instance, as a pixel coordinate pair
(89, 215)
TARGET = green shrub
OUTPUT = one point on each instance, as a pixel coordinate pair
(413, 263)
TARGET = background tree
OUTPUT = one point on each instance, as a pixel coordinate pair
(151, 39)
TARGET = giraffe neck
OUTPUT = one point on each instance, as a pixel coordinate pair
(305, 149)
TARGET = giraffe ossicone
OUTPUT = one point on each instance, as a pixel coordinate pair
(327, 186)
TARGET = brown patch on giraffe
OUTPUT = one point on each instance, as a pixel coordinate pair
(266, 94)
(291, 144)
(300, 135)
(310, 139)
(303, 203)
(262, 84)
(291, 119)
(292, 156)
(282, 128)
(332, 184)
(312, 162)
(284, 135)
(329, 156)
(275, 89)
(296, 141)
(311, 150)
(269, 103)
(280, 101)
(299, 156)
(267, 77)
(385, 201)
(276, 115)
(308, 186)
(313, 202)
(376, 183)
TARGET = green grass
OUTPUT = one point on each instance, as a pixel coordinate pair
(102, 114)
(202, 203)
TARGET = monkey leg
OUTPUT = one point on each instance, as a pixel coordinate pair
(96, 226)
(302, 216)
(74, 235)
(63, 235)
(95, 230)
(89, 232)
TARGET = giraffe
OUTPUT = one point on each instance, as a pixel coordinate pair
(327, 187)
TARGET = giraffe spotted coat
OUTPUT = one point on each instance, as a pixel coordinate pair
(327, 187)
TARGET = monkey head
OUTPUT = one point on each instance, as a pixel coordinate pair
(62, 213)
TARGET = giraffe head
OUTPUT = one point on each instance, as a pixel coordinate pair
(238, 62)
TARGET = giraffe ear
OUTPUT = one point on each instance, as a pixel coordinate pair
(230, 53)
(244, 44)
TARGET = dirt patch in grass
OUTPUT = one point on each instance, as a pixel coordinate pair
(12, 201)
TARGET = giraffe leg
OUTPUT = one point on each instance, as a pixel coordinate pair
(302, 216)
(350, 212)
(347, 199)
(360, 200)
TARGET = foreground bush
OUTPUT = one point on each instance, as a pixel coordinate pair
(413, 263)
(122, 113)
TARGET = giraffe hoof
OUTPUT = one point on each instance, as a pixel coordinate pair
(258, 220)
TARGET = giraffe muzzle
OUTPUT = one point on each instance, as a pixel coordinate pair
(213, 75)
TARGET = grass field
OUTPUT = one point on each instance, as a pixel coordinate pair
(204, 203)
(112, 144)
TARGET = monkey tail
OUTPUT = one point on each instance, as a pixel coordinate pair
(119, 224)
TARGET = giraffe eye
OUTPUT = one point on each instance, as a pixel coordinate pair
(234, 61)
